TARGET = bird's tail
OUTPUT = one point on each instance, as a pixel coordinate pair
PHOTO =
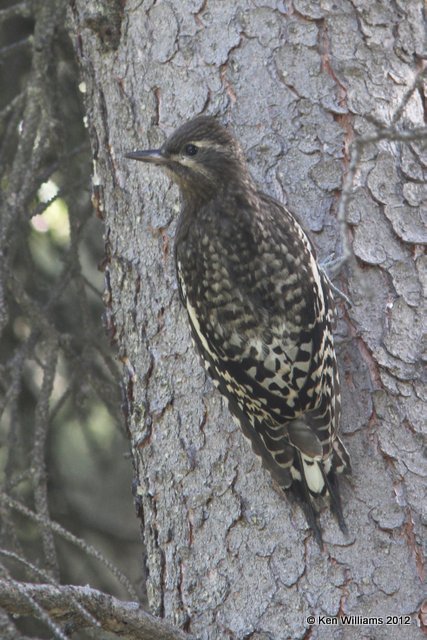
(315, 479)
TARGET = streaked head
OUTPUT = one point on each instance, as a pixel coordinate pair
(201, 156)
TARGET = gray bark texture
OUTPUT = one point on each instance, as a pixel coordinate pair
(227, 555)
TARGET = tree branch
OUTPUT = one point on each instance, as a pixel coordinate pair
(390, 133)
(67, 535)
(125, 619)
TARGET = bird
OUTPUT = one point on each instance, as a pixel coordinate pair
(261, 312)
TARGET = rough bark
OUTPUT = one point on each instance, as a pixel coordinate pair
(227, 556)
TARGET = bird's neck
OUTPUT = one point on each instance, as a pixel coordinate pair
(221, 211)
(196, 196)
(232, 189)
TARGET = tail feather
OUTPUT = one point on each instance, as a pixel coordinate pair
(314, 479)
(331, 482)
(302, 492)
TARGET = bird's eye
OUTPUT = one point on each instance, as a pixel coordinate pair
(190, 150)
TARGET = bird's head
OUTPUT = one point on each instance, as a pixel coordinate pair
(201, 156)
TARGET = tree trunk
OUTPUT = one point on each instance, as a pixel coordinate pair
(227, 556)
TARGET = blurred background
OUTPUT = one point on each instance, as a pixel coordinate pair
(63, 447)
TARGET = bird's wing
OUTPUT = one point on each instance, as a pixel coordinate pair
(265, 343)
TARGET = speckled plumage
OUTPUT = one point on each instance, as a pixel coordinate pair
(260, 311)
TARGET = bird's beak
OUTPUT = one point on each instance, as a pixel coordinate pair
(154, 156)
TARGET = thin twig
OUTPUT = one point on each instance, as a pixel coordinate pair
(122, 618)
(33, 607)
(15, 45)
(12, 105)
(356, 147)
(41, 427)
(40, 573)
(20, 9)
(415, 84)
(81, 544)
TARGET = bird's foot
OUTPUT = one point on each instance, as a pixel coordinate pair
(340, 294)
(331, 267)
